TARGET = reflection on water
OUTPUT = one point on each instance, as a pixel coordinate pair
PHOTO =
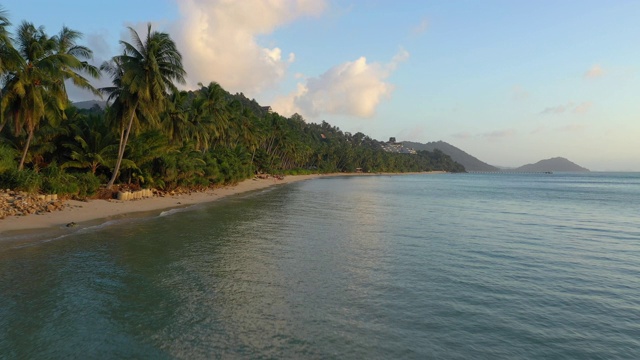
(468, 266)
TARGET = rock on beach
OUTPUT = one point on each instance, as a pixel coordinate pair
(18, 203)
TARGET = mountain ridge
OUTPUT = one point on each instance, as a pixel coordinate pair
(470, 163)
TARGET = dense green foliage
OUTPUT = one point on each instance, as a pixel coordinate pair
(151, 134)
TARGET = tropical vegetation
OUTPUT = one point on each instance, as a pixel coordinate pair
(151, 134)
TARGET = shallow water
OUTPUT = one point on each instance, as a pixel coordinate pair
(421, 266)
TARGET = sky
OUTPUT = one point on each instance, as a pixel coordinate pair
(509, 82)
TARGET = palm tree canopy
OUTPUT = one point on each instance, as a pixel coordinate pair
(35, 88)
(75, 59)
(9, 57)
(142, 76)
(150, 68)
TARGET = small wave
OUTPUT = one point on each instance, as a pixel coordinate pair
(34, 239)
(103, 225)
(30, 242)
(173, 211)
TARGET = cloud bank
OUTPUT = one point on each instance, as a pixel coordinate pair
(581, 108)
(353, 88)
(499, 134)
(491, 136)
(219, 40)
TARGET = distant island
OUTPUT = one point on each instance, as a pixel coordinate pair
(473, 164)
(554, 164)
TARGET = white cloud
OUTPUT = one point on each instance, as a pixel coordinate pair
(354, 88)
(595, 71)
(581, 108)
(499, 134)
(558, 109)
(97, 42)
(218, 39)
(421, 28)
(462, 135)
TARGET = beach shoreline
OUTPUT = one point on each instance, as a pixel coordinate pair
(81, 213)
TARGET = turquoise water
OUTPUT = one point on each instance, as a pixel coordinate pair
(467, 266)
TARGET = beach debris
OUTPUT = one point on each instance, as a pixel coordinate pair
(71, 224)
(18, 203)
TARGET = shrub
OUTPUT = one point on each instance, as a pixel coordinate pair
(26, 180)
(88, 184)
(7, 158)
(57, 181)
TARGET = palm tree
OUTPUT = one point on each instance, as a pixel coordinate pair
(249, 131)
(35, 89)
(8, 55)
(215, 104)
(9, 58)
(142, 76)
(93, 146)
(28, 89)
(66, 47)
(176, 118)
(200, 125)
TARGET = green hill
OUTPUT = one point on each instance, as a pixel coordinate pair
(469, 162)
(553, 164)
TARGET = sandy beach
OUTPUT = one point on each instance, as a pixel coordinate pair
(80, 212)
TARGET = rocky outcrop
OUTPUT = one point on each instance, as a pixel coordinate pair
(17, 203)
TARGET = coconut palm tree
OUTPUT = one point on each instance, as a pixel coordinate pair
(66, 47)
(35, 88)
(93, 145)
(142, 76)
(201, 132)
(175, 120)
(9, 58)
(30, 90)
(215, 104)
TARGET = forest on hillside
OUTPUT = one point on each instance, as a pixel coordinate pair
(151, 134)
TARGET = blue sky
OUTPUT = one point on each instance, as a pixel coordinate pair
(510, 82)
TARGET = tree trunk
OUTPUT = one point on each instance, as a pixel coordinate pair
(123, 146)
(2, 120)
(26, 149)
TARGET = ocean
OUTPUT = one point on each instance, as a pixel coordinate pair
(451, 266)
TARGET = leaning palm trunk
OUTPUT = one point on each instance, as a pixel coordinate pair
(124, 137)
(26, 150)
